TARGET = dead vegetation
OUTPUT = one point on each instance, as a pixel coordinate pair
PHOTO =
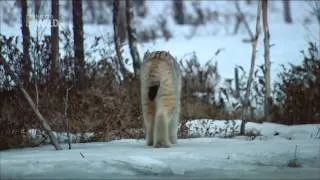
(109, 106)
(297, 92)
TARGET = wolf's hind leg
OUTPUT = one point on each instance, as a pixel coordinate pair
(173, 127)
(161, 131)
(150, 122)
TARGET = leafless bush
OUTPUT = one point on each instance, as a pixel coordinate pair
(296, 92)
(147, 35)
(294, 162)
(158, 30)
(164, 28)
(199, 88)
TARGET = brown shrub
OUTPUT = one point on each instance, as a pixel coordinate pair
(298, 92)
(95, 109)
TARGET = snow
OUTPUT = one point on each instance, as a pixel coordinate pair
(37, 135)
(129, 158)
(230, 128)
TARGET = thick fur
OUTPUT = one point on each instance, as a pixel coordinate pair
(160, 98)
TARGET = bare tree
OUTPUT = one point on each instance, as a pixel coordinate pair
(315, 6)
(199, 11)
(178, 9)
(249, 1)
(35, 109)
(66, 120)
(122, 31)
(37, 5)
(316, 10)
(91, 9)
(54, 38)
(287, 11)
(140, 7)
(242, 19)
(26, 64)
(245, 101)
(236, 81)
(116, 21)
(132, 39)
(78, 43)
(267, 63)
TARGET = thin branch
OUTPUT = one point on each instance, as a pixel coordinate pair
(266, 58)
(37, 94)
(253, 54)
(245, 101)
(246, 24)
(66, 116)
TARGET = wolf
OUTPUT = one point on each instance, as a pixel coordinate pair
(160, 79)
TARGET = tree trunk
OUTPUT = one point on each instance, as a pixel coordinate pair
(37, 6)
(54, 39)
(241, 18)
(140, 7)
(26, 64)
(197, 8)
(245, 101)
(266, 59)
(92, 10)
(236, 79)
(122, 31)
(43, 121)
(287, 11)
(116, 20)
(66, 117)
(78, 43)
(178, 10)
(132, 39)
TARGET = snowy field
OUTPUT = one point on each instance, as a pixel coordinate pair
(265, 156)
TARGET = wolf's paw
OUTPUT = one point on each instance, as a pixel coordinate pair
(161, 145)
(173, 141)
(149, 142)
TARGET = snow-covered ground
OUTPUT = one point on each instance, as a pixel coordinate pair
(208, 157)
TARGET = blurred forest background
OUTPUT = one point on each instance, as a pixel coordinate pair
(50, 83)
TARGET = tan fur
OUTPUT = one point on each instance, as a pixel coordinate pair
(161, 114)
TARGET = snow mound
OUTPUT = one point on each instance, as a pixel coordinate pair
(213, 128)
(231, 128)
(146, 165)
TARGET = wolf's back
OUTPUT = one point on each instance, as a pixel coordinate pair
(160, 74)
